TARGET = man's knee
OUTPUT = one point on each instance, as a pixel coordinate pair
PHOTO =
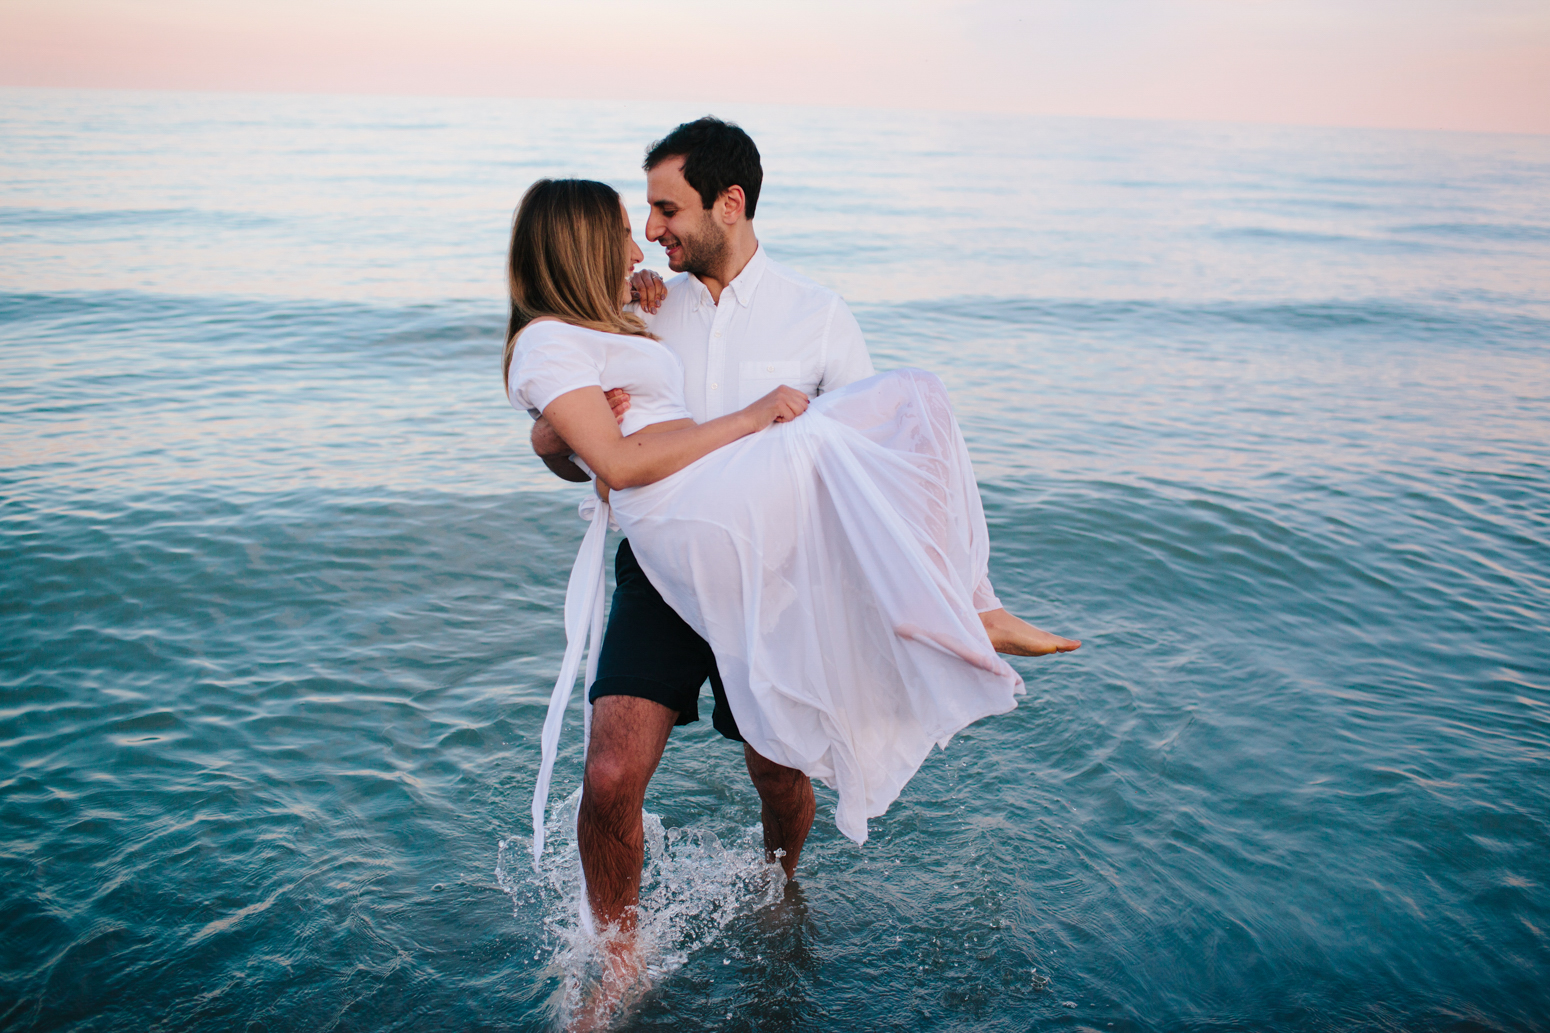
(615, 782)
(628, 736)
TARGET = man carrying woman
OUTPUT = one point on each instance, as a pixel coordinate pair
(838, 573)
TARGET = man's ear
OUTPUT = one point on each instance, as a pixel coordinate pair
(732, 204)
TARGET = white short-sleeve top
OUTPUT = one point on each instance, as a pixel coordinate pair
(553, 358)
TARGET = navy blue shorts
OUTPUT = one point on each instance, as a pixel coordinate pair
(649, 652)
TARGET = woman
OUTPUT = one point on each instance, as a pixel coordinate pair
(830, 561)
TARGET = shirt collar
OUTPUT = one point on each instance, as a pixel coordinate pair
(742, 285)
(745, 282)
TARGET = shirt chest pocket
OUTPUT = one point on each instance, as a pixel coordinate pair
(761, 376)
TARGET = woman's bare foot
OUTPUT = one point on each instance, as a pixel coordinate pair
(1015, 636)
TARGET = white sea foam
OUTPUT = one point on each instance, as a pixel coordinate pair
(692, 886)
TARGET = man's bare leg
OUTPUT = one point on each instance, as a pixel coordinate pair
(786, 807)
(1009, 634)
(628, 737)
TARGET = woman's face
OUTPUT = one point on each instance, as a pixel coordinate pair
(636, 257)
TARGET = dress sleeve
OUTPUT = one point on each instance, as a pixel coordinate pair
(552, 359)
(846, 358)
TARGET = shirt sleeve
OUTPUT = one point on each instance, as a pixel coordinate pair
(552, 359)
(846, 359)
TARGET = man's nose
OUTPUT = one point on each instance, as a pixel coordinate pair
(655, 226)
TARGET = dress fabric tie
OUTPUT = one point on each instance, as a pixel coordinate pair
(584, 606)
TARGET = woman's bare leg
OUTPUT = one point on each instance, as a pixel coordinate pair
(911, 412)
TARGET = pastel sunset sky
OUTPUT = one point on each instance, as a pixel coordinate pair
(1431, 64)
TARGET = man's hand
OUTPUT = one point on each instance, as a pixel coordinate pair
(618, 401)
(647, 290)
(547, 443)
(555, 453)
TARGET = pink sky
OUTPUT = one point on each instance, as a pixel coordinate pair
(1433, 64)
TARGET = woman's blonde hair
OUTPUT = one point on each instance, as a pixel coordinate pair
(568, 260)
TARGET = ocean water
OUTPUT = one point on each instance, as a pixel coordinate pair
(1258, 413)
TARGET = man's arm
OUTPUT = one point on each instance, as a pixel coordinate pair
(552, 449)
(846, 359)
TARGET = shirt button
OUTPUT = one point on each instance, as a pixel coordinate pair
(718, 333)
(769, 369)
(715, 387)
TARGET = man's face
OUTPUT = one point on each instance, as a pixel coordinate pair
(695, 242)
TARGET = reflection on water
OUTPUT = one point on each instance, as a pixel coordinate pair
(1257, 413)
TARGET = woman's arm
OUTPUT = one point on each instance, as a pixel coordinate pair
(583, 418)
(556, 452)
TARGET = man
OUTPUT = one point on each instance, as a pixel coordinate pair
(742, 324)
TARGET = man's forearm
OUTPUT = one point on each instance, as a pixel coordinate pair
(552, 449)
(564, 469)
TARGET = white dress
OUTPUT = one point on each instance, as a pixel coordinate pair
(831, 563)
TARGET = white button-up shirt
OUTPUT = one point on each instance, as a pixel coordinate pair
(772, 327)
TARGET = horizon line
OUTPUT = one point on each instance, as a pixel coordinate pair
(939, 109)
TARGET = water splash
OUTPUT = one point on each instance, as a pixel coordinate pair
(693, 886)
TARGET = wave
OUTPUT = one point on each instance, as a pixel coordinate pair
(1504, 321)
(130, 217)
(1346, 241)
(299, 324)
(1483, 231)
(304, 323)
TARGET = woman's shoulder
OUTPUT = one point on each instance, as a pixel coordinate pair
(547, 338)
(548, 328)
(550, 357)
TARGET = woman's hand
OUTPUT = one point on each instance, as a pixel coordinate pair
(647, 290)
(781, 405)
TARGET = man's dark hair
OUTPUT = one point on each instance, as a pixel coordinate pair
(716, 155)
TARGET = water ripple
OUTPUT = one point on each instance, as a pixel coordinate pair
(1258, 413)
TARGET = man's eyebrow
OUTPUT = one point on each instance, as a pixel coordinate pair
(661, 204)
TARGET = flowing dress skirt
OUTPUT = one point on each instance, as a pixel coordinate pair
(831, 563)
